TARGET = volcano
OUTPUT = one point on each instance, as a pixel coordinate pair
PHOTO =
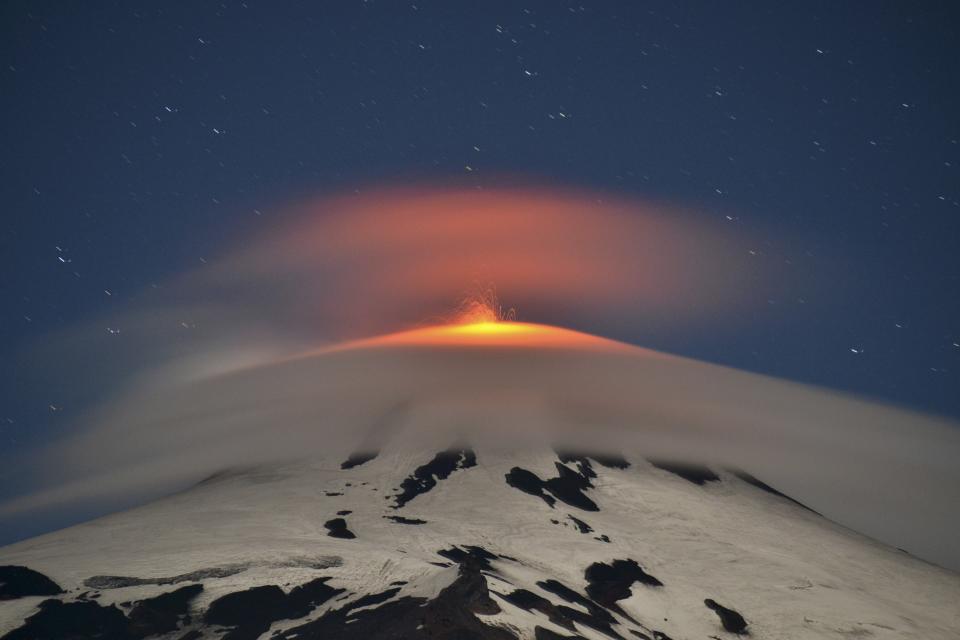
(416, 523)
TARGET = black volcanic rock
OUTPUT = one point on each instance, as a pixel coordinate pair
(425, 477)
(568, 486)
(337, 528)
(529, 601)
(730, 619)
(607, 583)
(596, 617)
(17, 582)
(452, 615)
(402, 520)
(759, 484)
(250, 613)
(528, 482)
(611, 461)
(581, 526)
(562, 615)
(118, 582)
(697, 474)
(163, 613)
(358, 458)
(83, 619)
(469, 556)
(541, 633)
(608, 460)
(583, 464)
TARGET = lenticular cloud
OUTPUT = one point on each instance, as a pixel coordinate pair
(260, 356)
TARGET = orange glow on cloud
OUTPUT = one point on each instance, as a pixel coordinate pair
(508, 334)
(370, 263)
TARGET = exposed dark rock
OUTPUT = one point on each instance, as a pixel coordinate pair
(568, 486)
(730, 619)
(603, 538)
(84, 619)
(581, 526)
(332, 493)
(358, 458)
(609, 460)
(402, 520)
(372, 599)
(529, 601)
(541, 633)
(117, 582)
(596, 617)
(425, 477)
(337, 528)
(759, 484)
(607, 583)
(469, 556)
(307, 562)
(697, 474)
(17, 582)
(562, 615)
(558, 588)
(250, 613)
(529, 482)
(583, 464)
(344, 512)
(452, 615)
(163, 613)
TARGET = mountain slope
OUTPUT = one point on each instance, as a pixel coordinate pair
(463, 543)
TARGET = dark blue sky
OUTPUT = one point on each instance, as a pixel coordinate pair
(140, 138)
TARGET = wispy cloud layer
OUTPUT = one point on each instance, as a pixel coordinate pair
(229, 365)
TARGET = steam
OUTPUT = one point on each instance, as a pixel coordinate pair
(234, 364)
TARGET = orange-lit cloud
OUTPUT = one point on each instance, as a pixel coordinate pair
(265, 353)
(511, 385)
(374, 262)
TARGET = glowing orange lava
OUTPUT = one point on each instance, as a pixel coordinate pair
(489, 333)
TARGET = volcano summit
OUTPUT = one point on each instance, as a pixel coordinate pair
(496, 480)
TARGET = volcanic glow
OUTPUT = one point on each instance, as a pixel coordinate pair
(490, 333)
(481, 322)
(364, 264)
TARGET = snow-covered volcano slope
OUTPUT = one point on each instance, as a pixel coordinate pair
(471, 543)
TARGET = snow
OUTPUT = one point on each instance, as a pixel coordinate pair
(790, 572)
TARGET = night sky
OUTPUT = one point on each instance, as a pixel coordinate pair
(140, 139)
